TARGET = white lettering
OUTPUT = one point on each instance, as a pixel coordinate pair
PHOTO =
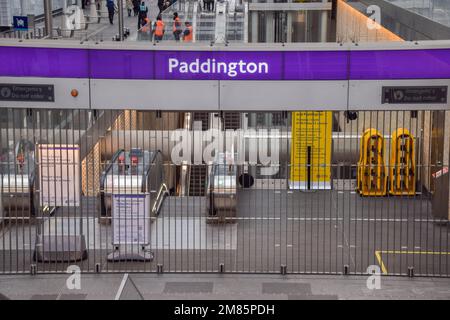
(221, 64)
(172, 64)
(374, 280)
(184, 67)
(251, 67)
(374, 19)
(74, 280)
(205, 67)
(210, 66)
(263, 65)
(193, 67)
(242, 67)
(181, 152)
(232, 69)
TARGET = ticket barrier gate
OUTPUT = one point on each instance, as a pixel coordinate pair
(371, 174)
(440, 200)
(402, 169)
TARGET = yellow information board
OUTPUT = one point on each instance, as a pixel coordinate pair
(311, 150)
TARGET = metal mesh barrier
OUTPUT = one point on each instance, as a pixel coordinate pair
(327, 192)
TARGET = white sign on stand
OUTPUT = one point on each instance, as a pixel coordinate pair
(59, 175)
(131, 219)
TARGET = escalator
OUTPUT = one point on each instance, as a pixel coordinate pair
(231, 120)
(197, 180)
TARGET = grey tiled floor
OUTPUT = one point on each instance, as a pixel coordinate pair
(214, 286)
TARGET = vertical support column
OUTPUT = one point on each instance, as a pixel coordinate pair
(221, 22)
(22, 8)
(194, 22)
(447, 152)
(103, 9)
(324, 24)
(289, 26)
(245, 35)
(254, 26)
(93, 15)
(120, 8)
(48, 18)
(270, 26)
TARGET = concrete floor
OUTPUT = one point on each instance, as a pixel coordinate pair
(104, 31)
(213, 286)
(319, 232)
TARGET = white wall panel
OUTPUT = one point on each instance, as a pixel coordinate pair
(283, 95)
(154, 94)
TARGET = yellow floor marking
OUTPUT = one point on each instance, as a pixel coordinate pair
(380, 262)
(378, 254)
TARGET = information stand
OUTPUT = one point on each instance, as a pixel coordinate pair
(131, 221)
(59, 186)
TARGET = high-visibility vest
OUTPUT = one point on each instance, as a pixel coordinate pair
(146, 27)
(189, 37)
(142, 8)
(176, 25)
(159, 29)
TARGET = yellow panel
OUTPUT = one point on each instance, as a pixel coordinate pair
(311, 129)
(371, 174)
(402, 169)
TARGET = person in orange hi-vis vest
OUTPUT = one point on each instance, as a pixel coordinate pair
(176, 29)
(159, 28)
(188, 33)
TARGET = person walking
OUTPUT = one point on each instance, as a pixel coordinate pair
(135, 7)
(130, 7)
(188, 34)
(161, 6)
(143, 10)
(111, 7)
(176, 29)
(159, 28)
(210, 5)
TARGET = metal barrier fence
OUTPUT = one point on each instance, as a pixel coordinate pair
(303, 192)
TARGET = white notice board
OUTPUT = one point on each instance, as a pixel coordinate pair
(131, 218)
(59, 175)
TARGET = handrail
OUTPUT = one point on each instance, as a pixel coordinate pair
(157, 204)
(185, 168)
(171, 6)
(108, 167)
(147, 171)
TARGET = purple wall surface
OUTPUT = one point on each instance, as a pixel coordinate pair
(224, 65)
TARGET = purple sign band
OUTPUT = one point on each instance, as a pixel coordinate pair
(224, 65)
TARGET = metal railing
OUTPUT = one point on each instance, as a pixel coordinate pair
(204, 22)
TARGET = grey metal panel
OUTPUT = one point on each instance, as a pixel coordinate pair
(154, 94)
(366, 94)
(407, 24)
(283, 95)
(63, 98)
